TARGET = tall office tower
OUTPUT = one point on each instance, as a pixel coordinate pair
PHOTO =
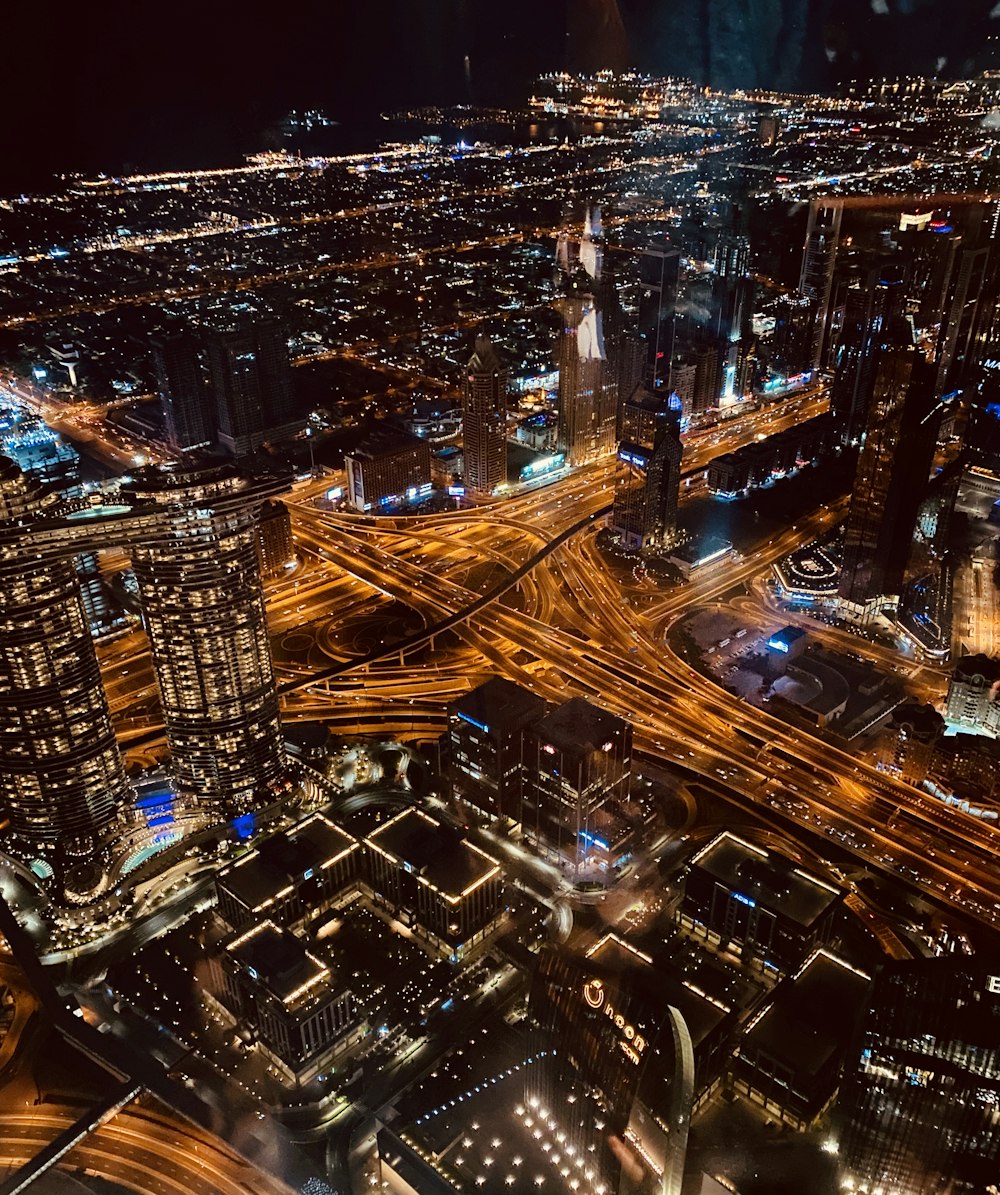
(247, 354)
(203, 606)
(872, 308)
(973, 699)
(891, 480)
(732, 291)
(791, 343)
(659, 282)
(484, 420)
(965, 318)
(483, 749)
(819, 256)
(185, 394)
(579, 761)
(684, 378)
(60, 772)
(647, 487)
(922, 1107)
(587, 399)
(707, 382)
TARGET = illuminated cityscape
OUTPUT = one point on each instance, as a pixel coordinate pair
(500, 629)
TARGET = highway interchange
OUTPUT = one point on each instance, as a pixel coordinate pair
(363, 585)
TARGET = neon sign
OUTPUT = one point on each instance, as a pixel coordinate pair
(632, 1042)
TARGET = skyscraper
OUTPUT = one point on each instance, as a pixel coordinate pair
(60, 770)
(185, 394)
(871, 309)
(891, 480)
(203, 607)
(922, 1106)
(965, 312)
(251, 378)
(819, 256)
(587, 400)
(649, 473)
(484, 420)
(659, 281)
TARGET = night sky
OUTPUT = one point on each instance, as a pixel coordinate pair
(120, 83)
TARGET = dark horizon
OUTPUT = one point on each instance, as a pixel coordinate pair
(196, 84)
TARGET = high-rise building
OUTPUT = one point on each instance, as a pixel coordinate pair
(203, 607)
(61, 774)
(921, 1107)
(275, 545)
(580, 762)
(484, 420)
(185, 393)
(819, 257)
(891, 481)
(647, 487)
(659, 281)
(251, 378)
(965, 312)
(587, 400)
(973, 699)
(707, 381)
(871, 309)
(791, 343)
(484, 746)
(613, 1078)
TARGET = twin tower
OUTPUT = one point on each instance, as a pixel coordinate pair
(190, 533)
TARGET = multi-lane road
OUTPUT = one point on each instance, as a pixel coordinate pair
(364, 584)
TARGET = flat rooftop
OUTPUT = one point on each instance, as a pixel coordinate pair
(284, 860)
(277, 961)
(435, 853)
(386, 442)
(701, 1012)
(579, 725)
(498, 704)
(812, 1016)
(766, 877)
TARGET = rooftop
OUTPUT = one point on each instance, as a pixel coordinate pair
(701, 1012)
(387, 442)
(498, 704)
(284, 860)
(278, 962)
(812, 1015)
(577, 725)
(767, 878)
(980, 665)
(438, 855)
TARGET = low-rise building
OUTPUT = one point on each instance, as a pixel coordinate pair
(792, 1054)
(298, 1011)
(388, 469)
(435, 882)
(290, 877)
(758, 904)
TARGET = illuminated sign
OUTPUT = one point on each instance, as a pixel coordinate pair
(641, 459)
(744, 900)
(472, 722)
(632, 1042)
(778, 644)
(993, 984)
